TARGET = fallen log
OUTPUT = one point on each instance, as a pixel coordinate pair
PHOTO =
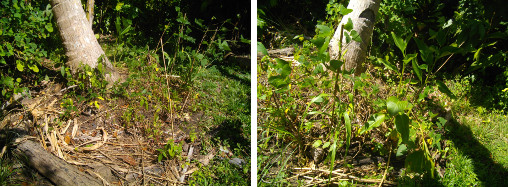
(55, 169)
(278, 52)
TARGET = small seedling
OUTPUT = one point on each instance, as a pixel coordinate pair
(170, 150)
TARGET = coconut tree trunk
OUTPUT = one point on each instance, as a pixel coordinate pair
(89, 6)
(363, 18)
(79, 41)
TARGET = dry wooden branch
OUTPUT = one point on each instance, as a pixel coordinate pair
(52, 167)
(189, 155)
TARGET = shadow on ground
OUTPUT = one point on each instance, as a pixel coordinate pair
(231, 131)
(241, 65)
(487, 170)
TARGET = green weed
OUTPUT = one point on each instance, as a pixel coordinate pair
(170, 150)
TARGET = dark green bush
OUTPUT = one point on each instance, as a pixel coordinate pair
(25, 33)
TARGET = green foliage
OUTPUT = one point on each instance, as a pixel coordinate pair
(451, 38)
(70, 110)
(298, 94)
(220, 172)
(170, 150)
(7, 173)
(460, 171)
(25, 29)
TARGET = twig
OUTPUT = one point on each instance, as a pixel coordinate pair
(66, 127)
(106, 183)
(448, 59)
(3, 152)
(169, 91)
(299, 174)
(142, 163)
(125, 145)
(62, 90)
(387, 166)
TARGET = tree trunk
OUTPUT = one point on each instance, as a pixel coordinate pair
(79, 41)
(363, 18)
(89, 6)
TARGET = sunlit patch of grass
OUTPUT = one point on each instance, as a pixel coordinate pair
(479, 149)
(225, 101)
(220, 173)
(459, 170)
(273, 161)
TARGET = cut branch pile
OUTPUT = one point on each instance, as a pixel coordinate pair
(317, 177)
(88, 150)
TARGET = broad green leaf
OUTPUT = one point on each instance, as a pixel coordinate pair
(393, 106)
(319, 41)
(400, 43)
(323, 30)
(34, 68)
(117, 25)
(402, 150)
(425, 51)
(8, 81)
(127, 29)
(326, 144)
(278, 81)
(335, 65)
(343, 10)
(324, 47)
(408, 58)
(402, 125)
(49, 27)
(476, 56)
(159, 158)
(319, 98)
(317, 143)
(19, 65)
(347, 121)
(355, 36)
(262, 49)
(349, 25)
(417, 69)
(283, 67)
(224, 46)
(387, 64)
(348, 38)
(442, 122)
(448, 50)
(374, 121)
(443, 88)
(119, 6)
(62, 71)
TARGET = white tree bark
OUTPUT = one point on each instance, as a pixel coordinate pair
(89, 6)
(78, 39)
(363, 18)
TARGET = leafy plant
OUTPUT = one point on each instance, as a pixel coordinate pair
(24, 37)
(170, 150)
(70, 110)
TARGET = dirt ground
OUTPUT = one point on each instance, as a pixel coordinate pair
(98, 144)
